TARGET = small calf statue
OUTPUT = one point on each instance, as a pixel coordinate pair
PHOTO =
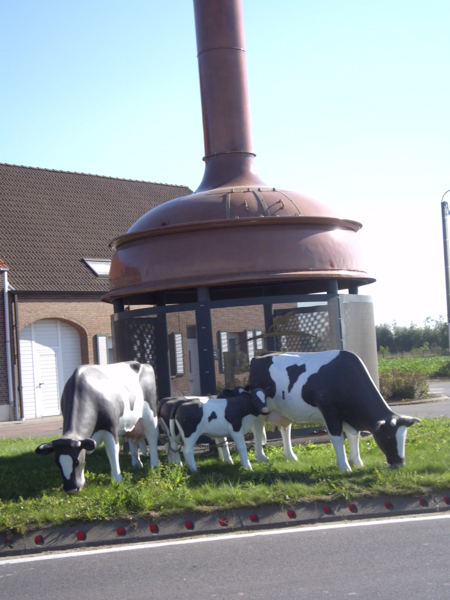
(334, 386)
(166, 409)
(98, 404)
(217, 418)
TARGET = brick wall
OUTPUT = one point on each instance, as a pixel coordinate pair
(87, 314)
(90, 316)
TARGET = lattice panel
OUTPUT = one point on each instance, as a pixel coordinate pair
(314, 321)
(135, 339)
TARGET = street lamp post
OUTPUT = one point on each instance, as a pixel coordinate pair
(445, 229)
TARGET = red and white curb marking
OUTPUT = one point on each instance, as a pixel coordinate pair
(99, 534)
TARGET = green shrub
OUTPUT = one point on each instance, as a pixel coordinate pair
(443, 370)
(403, 384)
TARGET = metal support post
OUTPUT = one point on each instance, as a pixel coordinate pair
(445, 230)
(205, 343)
(162, 357)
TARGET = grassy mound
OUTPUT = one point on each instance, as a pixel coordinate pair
(31, 493)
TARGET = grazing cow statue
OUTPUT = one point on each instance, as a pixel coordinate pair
(217, 418)
(334, 386)
(98, 404)
(166, 409)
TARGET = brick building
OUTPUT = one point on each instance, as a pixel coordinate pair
(55, 228)
(54, 260)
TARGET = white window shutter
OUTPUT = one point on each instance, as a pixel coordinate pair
(101, 341)
(249, 334)
(223, 347)
(176, 354)
(259, 343)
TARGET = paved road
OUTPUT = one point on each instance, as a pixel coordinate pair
(425, 409)
(440, 387)
(404, 559)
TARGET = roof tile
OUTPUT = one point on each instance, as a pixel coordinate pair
(51, 220)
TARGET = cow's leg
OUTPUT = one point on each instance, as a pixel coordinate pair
(168, 453)
(259, 434)
(150, 422)
(188, 451)
(241, 446)
(112, 452)
(142, 445)
(134, 453)
(224, 450)
(173, 456)
(287, 446)
(353, 442)
(338, 442)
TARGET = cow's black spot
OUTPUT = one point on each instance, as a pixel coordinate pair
(259, 374)
(294, 372)
(189, 414)
(135, 366)
(235, 411)
(343, 391)
(212, 416)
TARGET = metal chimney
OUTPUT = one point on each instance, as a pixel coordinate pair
(234, 230)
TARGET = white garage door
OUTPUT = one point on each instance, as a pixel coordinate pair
(50, 351)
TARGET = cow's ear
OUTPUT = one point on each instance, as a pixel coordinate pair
(89, 444)
(46, 448)
(407, 421)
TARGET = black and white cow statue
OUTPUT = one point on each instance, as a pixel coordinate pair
(332, 386)
(217, 418)
(98, 404)
(166, 409)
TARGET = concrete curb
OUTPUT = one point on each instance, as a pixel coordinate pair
(91, 535)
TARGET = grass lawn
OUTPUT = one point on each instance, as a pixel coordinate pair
(31, 493)
(431, 366)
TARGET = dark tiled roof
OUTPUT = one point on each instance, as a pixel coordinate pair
(51, 220)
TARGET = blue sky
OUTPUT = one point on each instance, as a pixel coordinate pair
(349, 101)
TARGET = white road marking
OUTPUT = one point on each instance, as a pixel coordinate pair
(221, 538)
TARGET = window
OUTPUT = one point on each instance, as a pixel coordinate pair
(237, 342)
(99, 266)
(176, 352)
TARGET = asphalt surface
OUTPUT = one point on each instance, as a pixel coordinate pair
(405, 559)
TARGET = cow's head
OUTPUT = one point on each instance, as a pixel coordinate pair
(390, 437)
(257, 398)
(70, 456)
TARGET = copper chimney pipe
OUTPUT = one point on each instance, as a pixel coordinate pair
(222, 66)
(234, 230)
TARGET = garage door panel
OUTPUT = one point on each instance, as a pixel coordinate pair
(27, 373)
(50, 352)
(47, 387)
